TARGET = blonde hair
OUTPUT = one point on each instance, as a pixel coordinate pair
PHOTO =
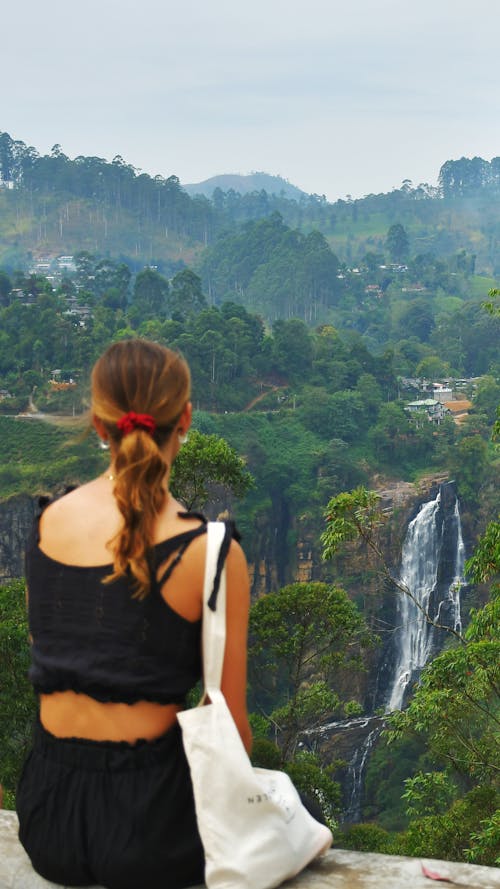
(144, 377)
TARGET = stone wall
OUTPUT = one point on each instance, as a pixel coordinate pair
(338, 869)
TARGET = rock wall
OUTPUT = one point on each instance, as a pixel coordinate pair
(16, 520)
(284, 548)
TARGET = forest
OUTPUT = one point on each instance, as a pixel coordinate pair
(309, 328)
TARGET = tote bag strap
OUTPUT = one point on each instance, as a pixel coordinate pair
(214, 622)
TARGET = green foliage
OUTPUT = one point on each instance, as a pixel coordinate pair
(386, 771)
(365, 838)
(428, 793)
(468, 340)
(294, 471)
(316, 781)
(150, 296)
(37, 457)
(186, 295)
(17, 702)
(485, 845)
(397, 242)
(302, 638)
(268, 266)
(468, 464)
(468, 830)
(349, 516)
(202, 464)
(484, 564)
(265, 753)
(456, 709)
(357, 515)
(492, 305)
(452, 836)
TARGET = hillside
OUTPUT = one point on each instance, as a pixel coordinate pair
(52, 205)
(273, 185)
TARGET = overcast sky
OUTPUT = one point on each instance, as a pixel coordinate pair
(340, 98)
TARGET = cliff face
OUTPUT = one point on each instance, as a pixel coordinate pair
(16, 520)
(284, 549)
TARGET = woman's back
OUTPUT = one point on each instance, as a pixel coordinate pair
(96, 641)
(115, 582)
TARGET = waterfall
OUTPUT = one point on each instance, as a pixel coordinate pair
(356, 774)
(457, 581)
(353, 740)
(432, 566)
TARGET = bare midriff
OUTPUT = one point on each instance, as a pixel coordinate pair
(67, 714)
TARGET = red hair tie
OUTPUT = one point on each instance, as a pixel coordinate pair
(131, 421)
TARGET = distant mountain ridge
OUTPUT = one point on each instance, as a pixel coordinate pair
(52, 205)
(244, 184)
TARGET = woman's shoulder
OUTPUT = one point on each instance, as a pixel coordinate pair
(71, 501)
(78, 524)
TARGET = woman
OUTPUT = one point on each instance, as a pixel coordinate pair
(115, 580)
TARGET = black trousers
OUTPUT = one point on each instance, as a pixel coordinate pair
(117, 814)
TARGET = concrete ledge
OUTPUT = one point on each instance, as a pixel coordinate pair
(339, 869)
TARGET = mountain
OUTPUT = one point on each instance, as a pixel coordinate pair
(245, 184)
(51, 205)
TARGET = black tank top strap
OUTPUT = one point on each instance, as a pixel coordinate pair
(193, 515)
(182, 542)
(179, 543)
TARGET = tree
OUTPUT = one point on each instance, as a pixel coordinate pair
(487, 397)
(432, 368)
(204, 463)
(397, 243)
(417, 320)
(292, 348)
(390, 434)
(468, 465)
(186, 295)
(18, 704)
(357, 515)
(5, 288)
(111, 281)
(456, 708)
(302, 639)
(150, 296)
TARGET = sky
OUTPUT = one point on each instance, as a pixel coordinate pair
(340, 98)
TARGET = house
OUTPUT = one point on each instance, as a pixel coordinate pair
(426, 407)
(374, 290)
(66, 264)
(442, 393)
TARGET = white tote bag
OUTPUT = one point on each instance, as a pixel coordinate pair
(253, 826)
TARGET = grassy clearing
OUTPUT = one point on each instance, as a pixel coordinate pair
(37, 456)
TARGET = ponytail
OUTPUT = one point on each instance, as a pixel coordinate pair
(138, 375)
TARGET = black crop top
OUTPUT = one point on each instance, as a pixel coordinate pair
(96, 639)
